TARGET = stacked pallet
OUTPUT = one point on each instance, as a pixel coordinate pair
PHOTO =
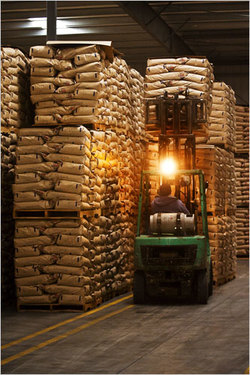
(186, 77)
(15, 109)
(74, 169)
(8, 158)
(242, 179)
(218, 167)
(83, 86)
(242, 129)
(242, 222)
(221, 122)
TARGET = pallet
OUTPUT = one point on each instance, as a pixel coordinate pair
(56, 307)
(223, 280)
(55, 214)
(89, 126)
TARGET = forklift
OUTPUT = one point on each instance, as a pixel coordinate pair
(172, 259)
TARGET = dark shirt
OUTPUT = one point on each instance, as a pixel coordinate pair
(168, 204)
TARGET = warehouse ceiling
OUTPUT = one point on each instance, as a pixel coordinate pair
(215, 29)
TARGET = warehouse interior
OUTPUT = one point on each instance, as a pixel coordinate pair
(106, 109)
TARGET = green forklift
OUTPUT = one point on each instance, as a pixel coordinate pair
(172, 253)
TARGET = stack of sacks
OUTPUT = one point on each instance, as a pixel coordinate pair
(242, 181)
(182, 75)
(16, 109)
(66, 84)
(8, 159)
(52, 262)
(57, 175)
(221, 125)
(242, 129)
(242, 221)
(222, 241)
(137, 103)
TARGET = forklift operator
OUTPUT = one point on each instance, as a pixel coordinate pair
(166, 203)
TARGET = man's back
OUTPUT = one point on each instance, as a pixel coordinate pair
(168, 204)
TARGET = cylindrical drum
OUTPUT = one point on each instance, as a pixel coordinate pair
(178, 224)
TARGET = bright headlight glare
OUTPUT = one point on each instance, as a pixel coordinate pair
(168, 166)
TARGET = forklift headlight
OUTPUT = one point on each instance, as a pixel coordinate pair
(168, 167)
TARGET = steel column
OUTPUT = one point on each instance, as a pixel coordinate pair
(51, 12)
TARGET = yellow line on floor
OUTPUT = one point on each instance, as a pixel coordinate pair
(63, 336)
(32, 335)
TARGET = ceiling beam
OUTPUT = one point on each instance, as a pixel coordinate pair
(151, 22)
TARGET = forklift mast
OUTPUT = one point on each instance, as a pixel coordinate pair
(177, 118)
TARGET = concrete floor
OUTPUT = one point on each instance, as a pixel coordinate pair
(150, 339)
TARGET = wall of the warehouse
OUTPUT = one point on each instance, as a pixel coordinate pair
(237, 76)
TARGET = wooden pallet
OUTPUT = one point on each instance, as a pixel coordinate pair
(89, 126)
(55, 214)
(56, 307)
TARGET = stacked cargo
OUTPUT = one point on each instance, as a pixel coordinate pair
(73, 168)
(221, 124)
(242, 129)
(8, 159)
(218, 167)
(15, 109)
(242, 179)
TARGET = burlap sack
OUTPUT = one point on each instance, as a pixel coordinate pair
(70, 280)
(80, 103)
(39, 132)
(26, 251)
(68, 240)
(67, 89)
(42, 88)
(41, 185)
(41, 79)
(24, 291)
(39, 300)
(55, 176)
(42, 51)
(86, 58)
(23, 178)
(44, 148)
(43, 71)
(84, 111)
(33, 241)
(66, 250)
(89, 77)
(74, 131)
(28, 196)
(41, 98)
(26, 232)
(26, 271)
(77, 120)
(73, 261)
(57, 195)
(35, 261)
(71, 168)
(45, 120)
(68, 158)
(56, 269)
(59, 110)
(42, 167)
(68, 299)
(36, 280)
(91, 67)
(76, 188)
(34, 205)
(28, 141)
(60, 289)
(29, 159)
(40, 62)
(69, 53)
(62, 65)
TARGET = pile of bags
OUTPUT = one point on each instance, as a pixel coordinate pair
(16, 108)
(242, 221)
(76, 86)
(242, 181)
(8, 159)
(219, 170)
(242, 129)
(222, 123)
(222, 240)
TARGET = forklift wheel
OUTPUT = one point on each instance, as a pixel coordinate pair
(210, 286)
(202, 287)
(139, 287)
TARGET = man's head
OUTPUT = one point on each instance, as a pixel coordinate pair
(165, 189)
